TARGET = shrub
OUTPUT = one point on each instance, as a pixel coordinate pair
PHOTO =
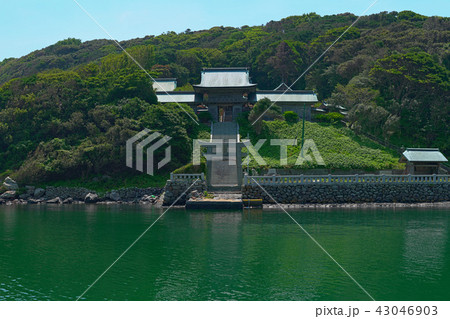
(204, 116)
(291, 117)
(192, 169)
(332, 117)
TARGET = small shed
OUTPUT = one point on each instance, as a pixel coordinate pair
(422, 161)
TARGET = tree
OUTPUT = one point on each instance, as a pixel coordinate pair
(263, 109)
(285, 62)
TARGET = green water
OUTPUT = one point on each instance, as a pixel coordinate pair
(55, 253)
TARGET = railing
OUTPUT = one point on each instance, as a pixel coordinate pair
(186, 177)
(341, 179)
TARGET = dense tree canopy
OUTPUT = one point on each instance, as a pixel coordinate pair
(73, 104)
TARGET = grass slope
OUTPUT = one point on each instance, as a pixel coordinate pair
(339, 147)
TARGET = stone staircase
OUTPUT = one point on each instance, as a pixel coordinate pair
(223, 175)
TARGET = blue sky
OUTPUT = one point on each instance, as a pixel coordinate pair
(28, 25)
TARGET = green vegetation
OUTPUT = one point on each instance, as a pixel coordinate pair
(204, 117)
(263, 109)
(339, 147)
(64, 125)
(67, 110)
(332, 117)
(290, 117)
(208, 195)
(104, 183)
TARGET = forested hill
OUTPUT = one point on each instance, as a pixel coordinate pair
(391, 70)
(279, 49)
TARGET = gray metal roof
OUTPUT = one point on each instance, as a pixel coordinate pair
(288, 97)
(176, 97)
(423, 155)
(165, 85)
(225, 77)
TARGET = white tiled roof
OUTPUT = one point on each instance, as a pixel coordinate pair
(225, 77)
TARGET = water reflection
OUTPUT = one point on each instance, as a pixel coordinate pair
(424, 248)
(8, 220)
(54, 253)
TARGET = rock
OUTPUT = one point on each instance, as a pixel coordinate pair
(10, 184)
(107, 203)
(30, 190)
(68, 200)
(39, 192)
(33, 201)
(9, 195)
(24, 196)
(56, 200)
(2, 201)
(194, 194)
(114, 195)
(91, 198)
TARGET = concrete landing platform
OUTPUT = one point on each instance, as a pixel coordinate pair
(252, 203)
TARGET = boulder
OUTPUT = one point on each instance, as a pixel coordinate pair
(91, 198)
(30, 190)
(39, 192)
(10, 184)
(9, 195)
(68, 200)
(56, 200)
(33, 202)
(194, 194)
(24, 196)
(114, 196)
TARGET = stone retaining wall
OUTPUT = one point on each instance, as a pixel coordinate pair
(350, 193)
(175, 189)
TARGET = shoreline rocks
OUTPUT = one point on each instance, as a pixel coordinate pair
(78, 195)
(9, 195)
(38, 192)
(91, 198)
(10, 184)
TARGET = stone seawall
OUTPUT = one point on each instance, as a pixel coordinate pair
(175, 189)
(349, 193)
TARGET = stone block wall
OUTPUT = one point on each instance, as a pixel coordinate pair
(175, 189)
(350, 193)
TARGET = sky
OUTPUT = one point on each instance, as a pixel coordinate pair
(29, 25)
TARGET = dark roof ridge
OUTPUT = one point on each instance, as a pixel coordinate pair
(235, 68)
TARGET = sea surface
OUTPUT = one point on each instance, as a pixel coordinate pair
(56, 253)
